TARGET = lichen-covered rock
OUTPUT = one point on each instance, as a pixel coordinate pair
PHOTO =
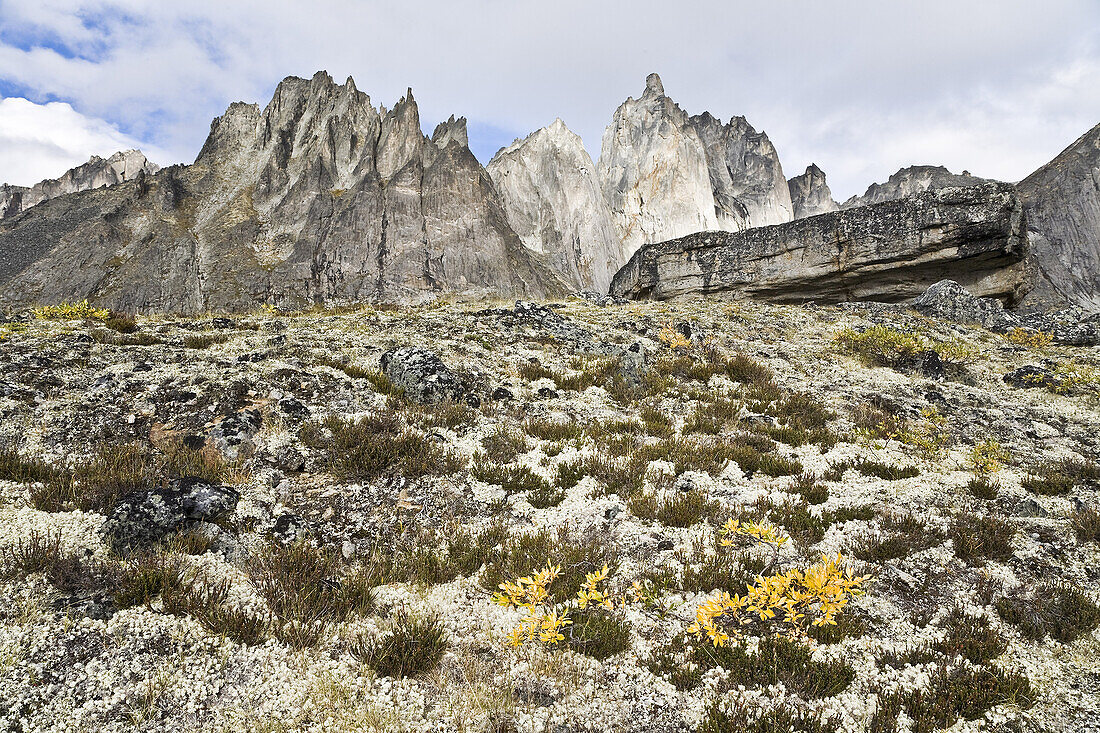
(422, 375)
(949, 300)
(142, 518)
(890, 252)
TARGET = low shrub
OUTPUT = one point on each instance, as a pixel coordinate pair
(1086, 524)
(599, 634)
(412, 647)
(1059, 477)
(1057, 610)
(737, 717)
(977, 538)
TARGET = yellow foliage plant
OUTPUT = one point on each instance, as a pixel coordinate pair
(814, 595)
(545, 621)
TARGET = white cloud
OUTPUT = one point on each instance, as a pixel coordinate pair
(40, 141)
(859, 86)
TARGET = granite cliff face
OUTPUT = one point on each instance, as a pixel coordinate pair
(810, 194)
(665, 174)
(1062, 200)
(319, 197)
(891, 251)
(96, 173)
(553, 201)
(915, 179)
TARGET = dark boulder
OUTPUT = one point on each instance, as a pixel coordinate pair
(1032, 376)
(950, 301)
(422, 375)
(142, 518)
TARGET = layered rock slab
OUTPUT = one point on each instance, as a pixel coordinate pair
(891, 252)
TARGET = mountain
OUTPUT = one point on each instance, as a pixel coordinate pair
(665, 174)
(319, 197)
(553, 201)
(1062, 200)
(911, 181)
(96, 173)
(889, 251)
(810, 194)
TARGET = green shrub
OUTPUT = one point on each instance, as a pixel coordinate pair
(1055, 478)
(777, 660)
(379, 445)
(599, 634)
(553, 431)
(412, 647)
(1056, 610)
(1086, 524)
(806, 485)
(982, 487)
(738, 717)
(978, 538)
(204, 340)
(901, 535)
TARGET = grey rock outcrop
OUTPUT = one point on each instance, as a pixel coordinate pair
(422, 375)
(553, 202)
(1062, 200)
(665, 174)
(810, 194)
(96, 173)
(317, 198)
(891, 251)
(142, 518)
(951, 301)
(911, 181)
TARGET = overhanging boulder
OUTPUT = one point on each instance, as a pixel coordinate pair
(892, 251)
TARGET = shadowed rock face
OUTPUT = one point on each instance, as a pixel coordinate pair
(889, 252)
(810, 194)
(97, 172)
(553, 201)
(1062, 200)
(319, 197)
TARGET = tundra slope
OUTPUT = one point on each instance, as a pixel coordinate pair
(895, 449)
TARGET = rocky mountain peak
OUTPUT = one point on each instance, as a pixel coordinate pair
(451, 131)
(554, 203)
(810, 194)
(125, 165)
(1062, 201)
(654, 86)
(911, 181)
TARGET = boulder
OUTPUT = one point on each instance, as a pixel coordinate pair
(951, 301)
(1031, 376)
(142, 518)
(890, 252)
(422, 375)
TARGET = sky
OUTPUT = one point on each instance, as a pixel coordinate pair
(860, 88)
